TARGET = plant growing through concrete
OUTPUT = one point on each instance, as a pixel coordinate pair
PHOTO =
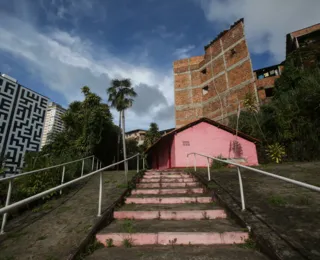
(127, 226)
(109, 242)
(249, 244)
(127, 242)
(205, 215)
(173, 242)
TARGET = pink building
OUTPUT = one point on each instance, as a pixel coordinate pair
(202, 136)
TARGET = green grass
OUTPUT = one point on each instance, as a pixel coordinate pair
(122, 186)
(127, 226)
(277, 200)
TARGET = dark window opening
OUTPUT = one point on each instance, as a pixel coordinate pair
(233, 51)
(204, 71)
(205, 90)
(185, 143)
(269, 92)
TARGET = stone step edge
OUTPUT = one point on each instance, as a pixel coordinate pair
(171, 215)
(185, 180)
(174, 238)
(168, 200)
(150, 185)
(168, 191)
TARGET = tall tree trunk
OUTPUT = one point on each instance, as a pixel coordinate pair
(119, 138)
(124, 146)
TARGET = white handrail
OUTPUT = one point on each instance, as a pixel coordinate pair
(42, 169)
(299, 183)
(20, 203)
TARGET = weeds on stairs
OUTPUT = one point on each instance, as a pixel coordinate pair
(93, 246)
(109, 242)
(127, 242)
(249, 244)
(127, 226)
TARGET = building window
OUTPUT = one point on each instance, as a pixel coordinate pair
(269, 92)
(205, 90)
(185, 143)
(204, 71)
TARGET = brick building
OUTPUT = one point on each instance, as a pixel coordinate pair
(213, 85)
(265, 77)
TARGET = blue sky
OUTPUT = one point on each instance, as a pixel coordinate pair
(57, 46)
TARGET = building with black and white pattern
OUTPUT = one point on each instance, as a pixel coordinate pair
(22, 113)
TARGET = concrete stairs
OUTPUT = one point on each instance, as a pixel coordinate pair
(170, 208)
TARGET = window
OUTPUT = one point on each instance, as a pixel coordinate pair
(233, 51)
(269, 92)
(205, 90)
(185, 143)
(204, 71)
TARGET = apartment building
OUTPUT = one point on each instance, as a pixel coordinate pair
(53, 122)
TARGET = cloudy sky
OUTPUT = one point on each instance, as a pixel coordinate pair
(57, 46)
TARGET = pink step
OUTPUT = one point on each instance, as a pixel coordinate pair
(171, 215)
(168, 180)
(158, 174)
(172, 200)
(180, 238)
(172, 176)
(167, 185)
(168, 191)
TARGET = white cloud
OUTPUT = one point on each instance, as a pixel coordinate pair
(184, 52)
(66, 62)
(266, 22)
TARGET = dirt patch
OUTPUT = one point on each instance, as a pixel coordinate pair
(63, 222)
(293, 212)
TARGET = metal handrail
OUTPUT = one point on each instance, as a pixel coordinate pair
(20, 203)
(43, 169)
(299, 183)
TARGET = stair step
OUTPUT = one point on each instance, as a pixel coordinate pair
(167, 185)
(171, 207)
(161, 174)
(171, 215)
(168, 191)
(177, 238)
(221, 252)
(151, 232)
(166, 180)
(171, 176)
(167, 200)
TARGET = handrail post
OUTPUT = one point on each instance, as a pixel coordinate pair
(4, 218)
(97, 165)
(62, 178)
(241, 190)
(92, 163)
(100, 195)
(82, 167)
(100, 165)
(138, 163)
(195, 163)
(143, 163)
(209, 174)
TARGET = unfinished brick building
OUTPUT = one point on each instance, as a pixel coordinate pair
(213, 85)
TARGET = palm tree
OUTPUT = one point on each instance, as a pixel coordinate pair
(121, 96)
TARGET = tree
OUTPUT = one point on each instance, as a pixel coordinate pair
(152, 135)
(121, 96)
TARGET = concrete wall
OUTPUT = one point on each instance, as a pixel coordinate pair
(228, 77)
(210, 140)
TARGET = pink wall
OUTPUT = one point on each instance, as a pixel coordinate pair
(210, 140)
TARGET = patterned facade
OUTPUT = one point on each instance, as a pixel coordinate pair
(214, 85)
(22, 113)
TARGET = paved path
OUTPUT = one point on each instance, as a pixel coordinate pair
(54, 230)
